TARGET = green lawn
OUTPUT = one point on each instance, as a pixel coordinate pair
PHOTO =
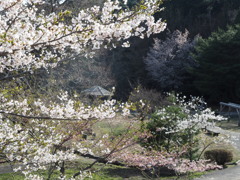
(231, 124)
(105, 172)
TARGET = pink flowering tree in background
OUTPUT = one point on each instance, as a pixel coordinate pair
(168, 61)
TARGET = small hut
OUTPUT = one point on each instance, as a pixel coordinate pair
(97, 91)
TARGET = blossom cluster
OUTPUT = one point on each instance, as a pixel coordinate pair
(67, 108)
(31, 38)
(156, 160)
(196, 115)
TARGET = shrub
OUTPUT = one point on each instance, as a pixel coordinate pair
(220, 156)
(150, 97)
(163, 122)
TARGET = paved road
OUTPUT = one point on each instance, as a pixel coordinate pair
(232, 173)
(234, 137)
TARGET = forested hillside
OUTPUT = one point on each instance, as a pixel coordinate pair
(199, 18)
(202, 16)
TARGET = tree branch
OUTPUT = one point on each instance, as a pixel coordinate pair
(40, 117)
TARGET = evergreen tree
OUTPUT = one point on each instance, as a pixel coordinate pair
(218, 57)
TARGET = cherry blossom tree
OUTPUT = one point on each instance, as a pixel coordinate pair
(168, 61)
(34, 132)
(47, 136)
